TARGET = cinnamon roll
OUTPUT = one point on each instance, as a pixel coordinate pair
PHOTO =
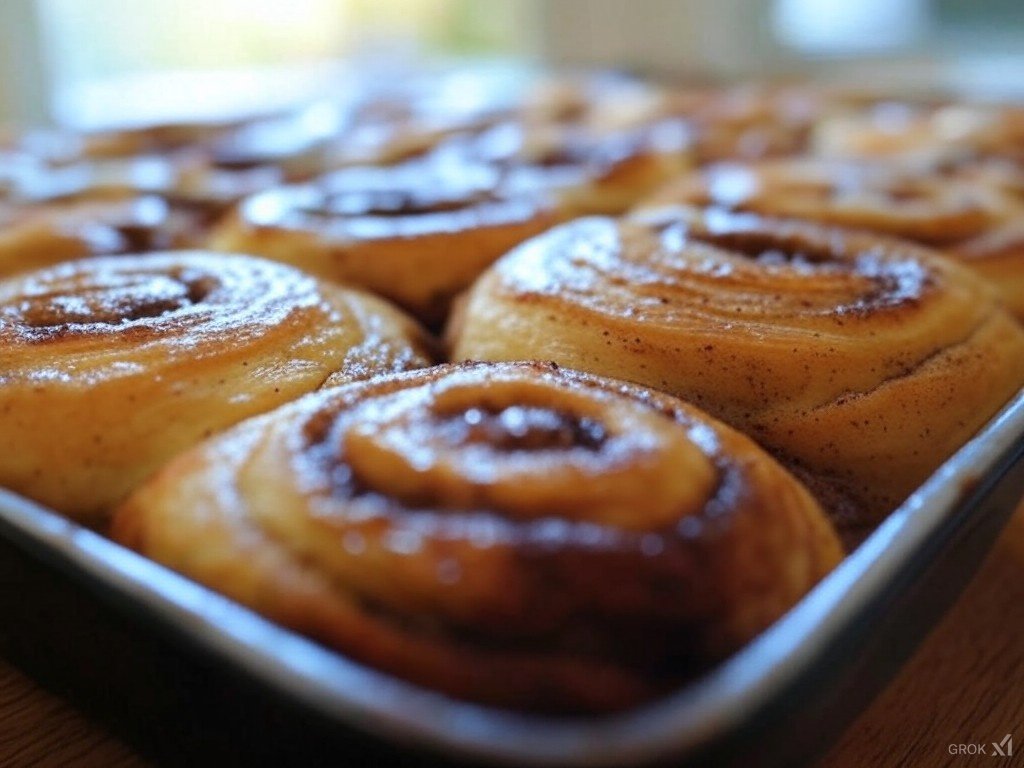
(36, 236)
(746, 122)
(514, 534)
(588, 169)
(146, 139)
(188, 179)
(969, 219)
(296, 143)
(923, 134)
(754, 121)
(864, 361)
(417, 233)
(603, 98)
(109, 366)
(397, 119)
(186, 166)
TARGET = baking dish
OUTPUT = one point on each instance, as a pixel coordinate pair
(189, 677)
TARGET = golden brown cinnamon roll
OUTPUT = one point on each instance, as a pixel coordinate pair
(88, 207)
(296, 143)
(514, 534)
(970, 219)
(923, 134)
(754, 121)
(60, 148)
(36, 236)
(398, 118)
(866, 361)
(417, 233)
(998, 255)
(588, 170)
(188, 179)
(191, 166)
(110, 366)
(601, 100)
(743, 122)
(99, 178)
(148, 139)
(393, 141)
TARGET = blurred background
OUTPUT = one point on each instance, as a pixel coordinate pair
(102, 62)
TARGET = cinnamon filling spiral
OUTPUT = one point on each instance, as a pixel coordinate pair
(372, 202)
(409, 476)
(417, 233)
(579, 459)
(588, 168)
(971, 217)
(36, 236)
(905, 203)
(515, 534)
(139, 297)
(659, 267)
(177, 299)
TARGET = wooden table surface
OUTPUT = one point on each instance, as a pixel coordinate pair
(964, 685)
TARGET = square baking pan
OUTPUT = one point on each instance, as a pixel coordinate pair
(188, 677)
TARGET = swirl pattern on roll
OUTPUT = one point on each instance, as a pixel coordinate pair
(514, 534)
(920, 133)
(109, 366)
(588, 169)
(972, 218)
(37, 236)
(417, 233)
(866, 361)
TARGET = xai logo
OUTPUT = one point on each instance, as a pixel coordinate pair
(1002, 748)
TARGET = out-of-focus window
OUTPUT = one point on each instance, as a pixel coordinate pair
(842, 28)
(995, 26)
(900, 45)
(111, 59)
(93, 62)
(837, 27)
(976, 46)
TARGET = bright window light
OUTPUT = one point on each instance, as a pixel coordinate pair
(839, 27)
